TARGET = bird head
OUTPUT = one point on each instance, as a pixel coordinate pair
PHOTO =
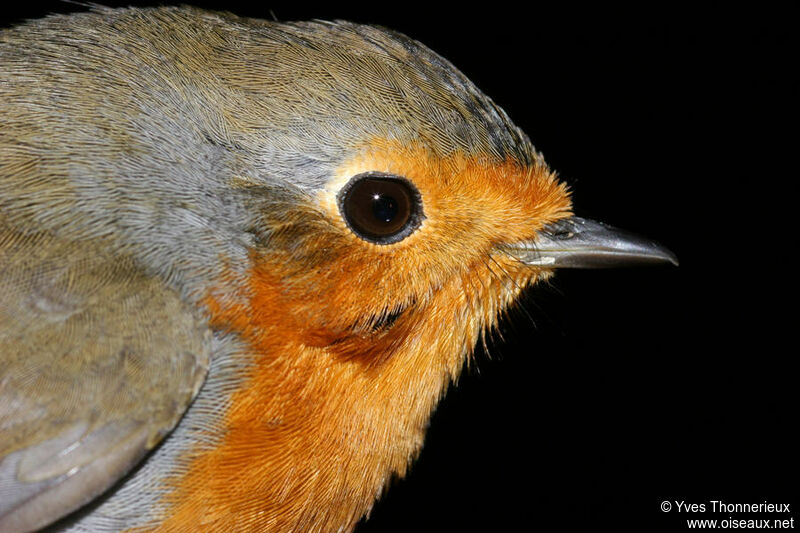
(382, 179)
(397, 211)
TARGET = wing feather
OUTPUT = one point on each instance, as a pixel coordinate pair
(98, 361)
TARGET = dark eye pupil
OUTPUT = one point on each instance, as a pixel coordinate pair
(381, 208)
(384, 208)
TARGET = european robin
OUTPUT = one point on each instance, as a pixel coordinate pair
(242, 260)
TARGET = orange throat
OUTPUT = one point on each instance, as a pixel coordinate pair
(324, 419)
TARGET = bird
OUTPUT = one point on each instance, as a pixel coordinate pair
(242, 261)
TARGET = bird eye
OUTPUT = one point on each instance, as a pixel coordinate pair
(381, 208)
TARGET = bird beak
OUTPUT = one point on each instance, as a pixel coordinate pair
(581, 243)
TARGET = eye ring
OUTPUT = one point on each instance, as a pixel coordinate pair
(380, 208)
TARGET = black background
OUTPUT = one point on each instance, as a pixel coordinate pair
(613, 391)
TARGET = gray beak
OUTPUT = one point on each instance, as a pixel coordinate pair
(581, 243)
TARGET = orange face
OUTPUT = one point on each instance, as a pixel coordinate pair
(352, 342)
(469, 206)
